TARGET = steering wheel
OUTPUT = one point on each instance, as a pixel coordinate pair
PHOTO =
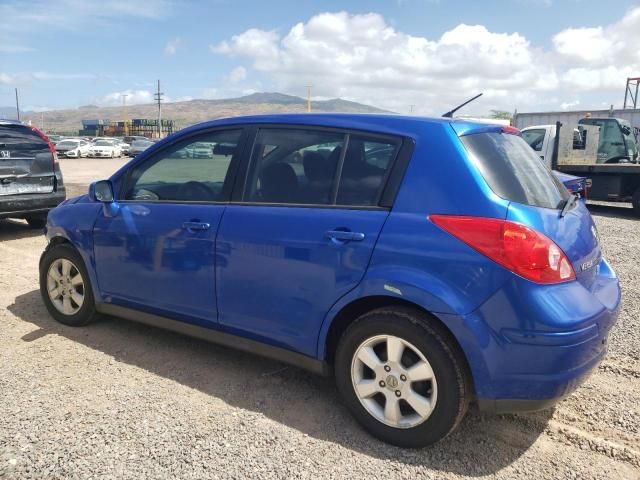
(195, 191)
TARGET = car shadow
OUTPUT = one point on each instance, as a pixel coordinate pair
(613, 211)
(11, 229)
(482, 444)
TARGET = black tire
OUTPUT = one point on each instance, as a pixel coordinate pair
(87, 312)
(37, 221)
(635, 201)
(435, 343)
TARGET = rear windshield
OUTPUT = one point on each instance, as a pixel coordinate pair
(514, 171)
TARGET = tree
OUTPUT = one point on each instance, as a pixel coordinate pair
(500, 114)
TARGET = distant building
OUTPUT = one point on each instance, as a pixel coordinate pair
(138, 126)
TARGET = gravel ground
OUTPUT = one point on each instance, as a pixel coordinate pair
(121, 400)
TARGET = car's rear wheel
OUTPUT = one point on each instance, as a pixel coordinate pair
(37, 221)
(65, 287)
(402, 377)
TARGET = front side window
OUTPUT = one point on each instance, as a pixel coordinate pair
(191, 171)
(534, 137)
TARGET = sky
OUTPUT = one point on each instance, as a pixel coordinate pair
(422, 56)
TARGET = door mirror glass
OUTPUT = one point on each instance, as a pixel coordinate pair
(101, 191)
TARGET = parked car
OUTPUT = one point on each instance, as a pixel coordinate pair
(132, 138)
(30, 178)
(124, 148)
(73, 148)
(421, 288)
(104, 148)
(139, 146)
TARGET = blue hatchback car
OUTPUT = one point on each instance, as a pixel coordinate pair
(426, 263)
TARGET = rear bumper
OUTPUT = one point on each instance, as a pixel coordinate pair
(529, 346)
(17, 206)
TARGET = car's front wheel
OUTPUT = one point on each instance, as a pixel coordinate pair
(65, 286)
(401, 377)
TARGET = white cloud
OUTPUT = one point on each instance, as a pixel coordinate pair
(134, 97)
(171, 47)
(236, 75)
(364, 58)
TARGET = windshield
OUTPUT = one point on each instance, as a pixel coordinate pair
(103, 143)
(68, 144)
(514, 171)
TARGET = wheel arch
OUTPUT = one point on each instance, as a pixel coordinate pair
(358, 307)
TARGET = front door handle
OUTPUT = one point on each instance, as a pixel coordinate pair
(193, 226)
(345, 236)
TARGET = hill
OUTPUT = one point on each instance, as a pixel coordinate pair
(190, 112)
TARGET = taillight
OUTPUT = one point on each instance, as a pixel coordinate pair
(511, 130)
(50, 144)
(516, 247)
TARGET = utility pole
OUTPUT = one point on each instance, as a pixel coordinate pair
(158, 97)
(309, 98)
(17, 105)
(42, 121)
(411, 109)
(124, 113)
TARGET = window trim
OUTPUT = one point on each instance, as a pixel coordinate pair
(230, 176)
(387, 191)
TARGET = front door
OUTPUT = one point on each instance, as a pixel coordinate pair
(156, 248)
(303, 234)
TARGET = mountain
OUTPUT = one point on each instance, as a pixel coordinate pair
(187, 113)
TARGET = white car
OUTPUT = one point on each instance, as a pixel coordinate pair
(73, 148)
(104, 148)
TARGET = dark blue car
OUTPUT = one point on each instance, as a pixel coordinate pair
(426, 263)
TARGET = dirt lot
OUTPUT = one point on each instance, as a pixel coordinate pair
(121, 400)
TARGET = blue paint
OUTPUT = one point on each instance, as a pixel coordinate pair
(273, 273)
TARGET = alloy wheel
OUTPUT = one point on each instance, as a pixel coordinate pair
(394, 381)
(65, 286)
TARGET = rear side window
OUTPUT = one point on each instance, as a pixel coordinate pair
(514, 171)
(310, 167)
(363, 175)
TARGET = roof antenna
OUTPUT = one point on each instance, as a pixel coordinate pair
(450, 113)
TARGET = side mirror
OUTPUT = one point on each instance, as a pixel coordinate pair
(101, 191)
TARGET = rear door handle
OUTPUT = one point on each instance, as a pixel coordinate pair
(193, 226)
(345, 236)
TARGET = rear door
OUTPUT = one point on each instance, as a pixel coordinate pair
(302, 233)
(26, 161)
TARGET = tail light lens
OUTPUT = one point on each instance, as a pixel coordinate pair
(52, 147)
(516, 247)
